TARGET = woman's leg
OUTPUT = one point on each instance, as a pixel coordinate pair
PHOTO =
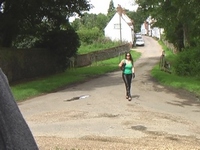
(127, 81)
(129, 78)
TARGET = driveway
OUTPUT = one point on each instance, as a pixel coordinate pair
(157, 117)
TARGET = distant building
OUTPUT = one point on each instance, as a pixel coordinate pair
(147, 29)
(120, 27)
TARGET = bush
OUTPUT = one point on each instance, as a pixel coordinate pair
(87, 36)
(188, 63)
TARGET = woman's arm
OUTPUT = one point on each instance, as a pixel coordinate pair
(133, 72)
(121, 63)
(133, 69)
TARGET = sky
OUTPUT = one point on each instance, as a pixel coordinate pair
(101, 6)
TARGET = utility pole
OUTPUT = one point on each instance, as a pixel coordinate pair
(120, 10)
(120, 28)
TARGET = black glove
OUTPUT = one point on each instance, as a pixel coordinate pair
(133, 75)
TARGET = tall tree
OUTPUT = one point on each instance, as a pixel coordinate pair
(89, 21)
(28, 17)
(111, 10)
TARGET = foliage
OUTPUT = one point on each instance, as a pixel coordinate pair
(89, 21)
(180, 20)
(87, 36)
(99, 44)
(25, 41)
(111, 10)
(30, 18)
(188, 63)
(175, 80)
(62, 43)
(181, 29)
(76, 24)
(185, 63)
(138, 18)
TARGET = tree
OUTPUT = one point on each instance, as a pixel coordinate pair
(76, 24)
(90, 21)
(180, 19)
(138, 18)
(62, 44)
(34, 17)
(101, 21)
(111, 10)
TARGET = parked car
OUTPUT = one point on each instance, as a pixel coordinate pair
(138, 35)
(139, 42)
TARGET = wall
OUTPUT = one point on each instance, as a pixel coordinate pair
(88, 59)
(22, 64)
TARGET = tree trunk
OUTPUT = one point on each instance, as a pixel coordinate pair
(186, 38)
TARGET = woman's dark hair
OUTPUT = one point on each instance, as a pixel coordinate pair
(131, 58)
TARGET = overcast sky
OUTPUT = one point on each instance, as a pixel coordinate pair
(101, 6)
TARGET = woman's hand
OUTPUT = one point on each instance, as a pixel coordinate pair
(133, 75)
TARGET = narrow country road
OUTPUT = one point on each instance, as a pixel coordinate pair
(156, 118)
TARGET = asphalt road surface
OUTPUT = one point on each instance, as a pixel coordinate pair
(96, 115)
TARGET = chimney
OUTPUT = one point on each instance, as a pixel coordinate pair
(119, 10)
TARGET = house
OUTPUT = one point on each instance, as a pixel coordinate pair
(120, 27)
(148, 29)
(146, 26)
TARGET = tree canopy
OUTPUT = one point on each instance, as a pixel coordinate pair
(180, 20)
(34, 17)
(111, 10)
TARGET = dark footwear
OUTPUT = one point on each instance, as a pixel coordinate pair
(126, 97)
(129, 98)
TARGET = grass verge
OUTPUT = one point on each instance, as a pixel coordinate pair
(46, 85)
(41, 86)
(84, 49)
(190, 84)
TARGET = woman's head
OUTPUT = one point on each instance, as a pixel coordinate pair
(128, 56)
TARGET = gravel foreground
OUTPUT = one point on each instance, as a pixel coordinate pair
(157, 118)
(156, 141)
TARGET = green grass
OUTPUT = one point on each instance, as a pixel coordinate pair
(172, 80)
(188, 83)
(45, 85)
(96, 46)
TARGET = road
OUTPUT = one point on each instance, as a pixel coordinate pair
(157, 117)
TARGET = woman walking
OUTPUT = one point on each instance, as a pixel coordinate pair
(128, 72)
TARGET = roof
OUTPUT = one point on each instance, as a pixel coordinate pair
(123, 15)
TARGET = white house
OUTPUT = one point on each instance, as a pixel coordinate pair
(120, 27)
(144, 28)
(147, 29)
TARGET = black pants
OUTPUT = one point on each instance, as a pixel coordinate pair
(127, 80)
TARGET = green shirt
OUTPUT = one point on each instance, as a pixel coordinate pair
(128, 68)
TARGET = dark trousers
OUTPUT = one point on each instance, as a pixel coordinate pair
(127, 80)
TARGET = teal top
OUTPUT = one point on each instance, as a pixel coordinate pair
(128, 68)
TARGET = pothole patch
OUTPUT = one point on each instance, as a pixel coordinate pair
(77, 98)
(139, 128)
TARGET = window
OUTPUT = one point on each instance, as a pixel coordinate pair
(116, 26)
